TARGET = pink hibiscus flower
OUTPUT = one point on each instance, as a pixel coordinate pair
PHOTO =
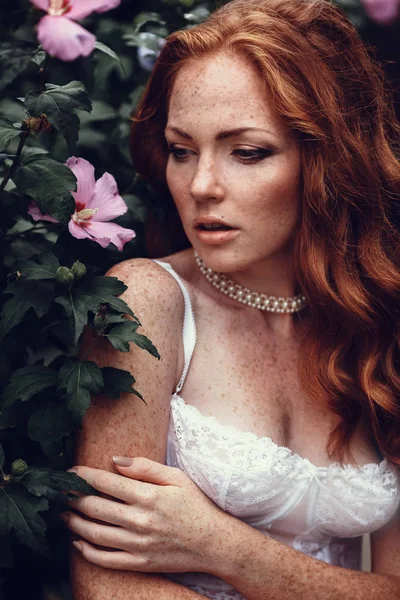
(58, 33)
(96, 203)
(384, 12)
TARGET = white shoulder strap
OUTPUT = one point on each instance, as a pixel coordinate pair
(189, 324)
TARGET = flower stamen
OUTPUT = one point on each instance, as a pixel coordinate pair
(84, 215)
(58, 8)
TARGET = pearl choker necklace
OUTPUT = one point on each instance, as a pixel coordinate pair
(242, 294)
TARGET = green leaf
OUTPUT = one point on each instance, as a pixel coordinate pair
(26, 382)
(88, 296)
(7, 132)
(51, 421)
(46, 269)
(27, 294)
(51, 484)
(121, 335)
(147, 17)
(58, 102)
(117, 382)
(103, 290)
(106, 50)
(197, 15)
(15, 57)
(143, 39)
(39, 57)
(80, 379)
(21, 513)
(77, 312)
(49, 183)
(14, 415)
(101, 112)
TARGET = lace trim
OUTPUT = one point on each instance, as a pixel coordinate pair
(190, 414)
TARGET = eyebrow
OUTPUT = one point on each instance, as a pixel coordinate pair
(222, 135)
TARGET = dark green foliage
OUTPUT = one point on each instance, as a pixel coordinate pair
(48, 183)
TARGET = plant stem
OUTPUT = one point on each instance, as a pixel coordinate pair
(88, 349)
(11, 236)
(15, 162)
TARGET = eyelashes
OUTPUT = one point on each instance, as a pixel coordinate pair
(246, 155)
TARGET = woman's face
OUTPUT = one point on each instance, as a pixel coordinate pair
(231, 160)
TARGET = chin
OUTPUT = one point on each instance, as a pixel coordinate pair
(223, 260)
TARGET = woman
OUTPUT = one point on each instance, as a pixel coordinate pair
(267, 126)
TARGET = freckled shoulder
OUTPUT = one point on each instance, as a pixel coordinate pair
(150, 288)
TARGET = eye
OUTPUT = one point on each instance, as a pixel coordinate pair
(254, 155)
(179, 154)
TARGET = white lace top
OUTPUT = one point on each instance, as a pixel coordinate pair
(320, 511)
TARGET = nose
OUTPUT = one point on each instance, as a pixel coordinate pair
(206, 184)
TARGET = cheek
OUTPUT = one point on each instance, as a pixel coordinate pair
(178, 188)
(176, 180)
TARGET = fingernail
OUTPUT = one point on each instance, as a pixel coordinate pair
(78, 546)
(122, 461)
(73, 470)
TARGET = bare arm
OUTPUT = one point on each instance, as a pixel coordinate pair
(262, 568)
(129, 427)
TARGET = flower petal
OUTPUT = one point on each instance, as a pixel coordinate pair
(107, 199)
(34, 212)
(41, 4)
(114, 233)
(81, 233)
(63, 38)
(80, 9)
(86, 183)
(383, 12)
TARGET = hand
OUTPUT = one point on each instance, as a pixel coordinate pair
(154, 519)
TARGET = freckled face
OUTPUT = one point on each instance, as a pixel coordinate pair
(249, 179)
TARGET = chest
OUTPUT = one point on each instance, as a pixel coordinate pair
(247, 378)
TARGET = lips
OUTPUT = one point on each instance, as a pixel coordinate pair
(212, 224)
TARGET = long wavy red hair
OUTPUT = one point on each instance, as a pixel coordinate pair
(346, 255)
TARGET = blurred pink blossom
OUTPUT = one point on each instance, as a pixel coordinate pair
(383, 12)
(57, 31)
(96, 203)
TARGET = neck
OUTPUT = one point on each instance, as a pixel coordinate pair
(252, 297)
(272, 277)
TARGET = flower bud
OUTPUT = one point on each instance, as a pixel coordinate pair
(36, 124)
(64, 276)
(18, 467)
(78, 270)
(100, 318)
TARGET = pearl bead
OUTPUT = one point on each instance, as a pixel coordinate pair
(245, 296)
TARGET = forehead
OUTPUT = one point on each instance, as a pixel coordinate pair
(219, 87)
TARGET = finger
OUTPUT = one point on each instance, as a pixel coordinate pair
(101, 535)
(111, 484)
(150, 471)
(103, 510)
(109, 560)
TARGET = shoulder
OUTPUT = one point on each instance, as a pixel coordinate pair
(149, 287)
